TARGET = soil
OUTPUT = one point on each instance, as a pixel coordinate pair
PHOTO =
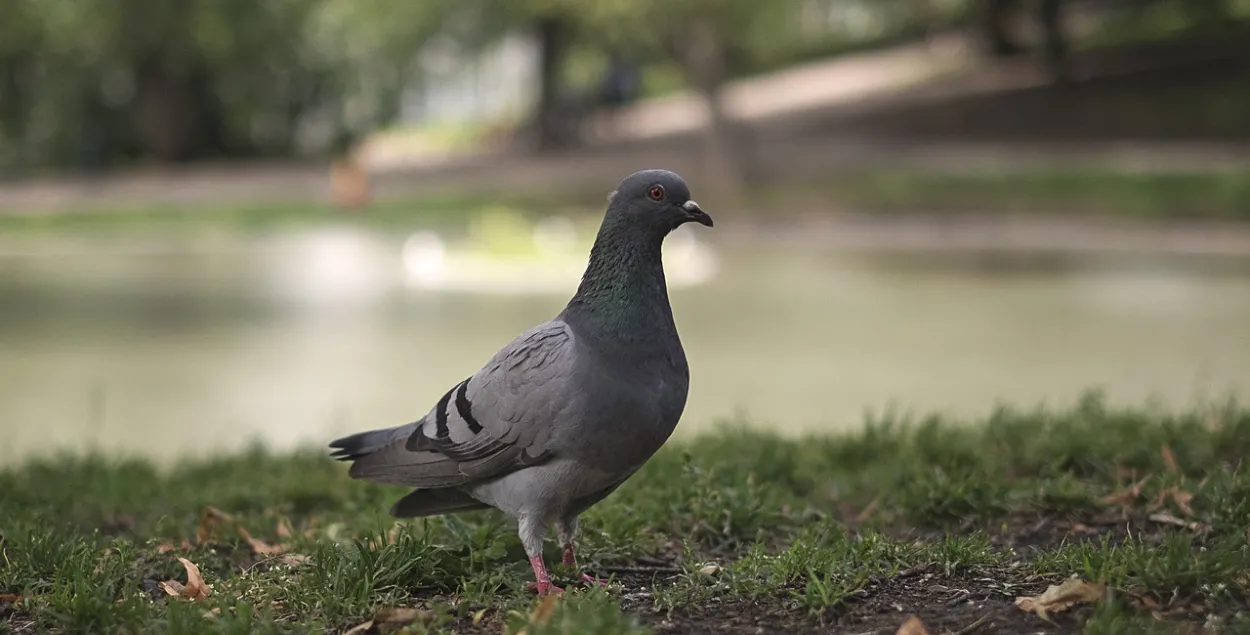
(961, 602)
(958, 602)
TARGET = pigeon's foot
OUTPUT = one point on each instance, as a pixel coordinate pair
(569, 561)
(542, 589)
(593, 581)
(542, 581)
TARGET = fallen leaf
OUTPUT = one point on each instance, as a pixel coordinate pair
(1168, 519)
(1177, 495)
(389, 619)
(399, 615)
(360, 629)
(210, 518)
(1169, 460)
(1081, 528)
(166, 547)
(913, 626)
(1127, 497)
(1145, 600)
(709, 569)
(284, 528)
(294, 559)
(477, 617)
(868, 512)
(545, 609)
(9, 598)
(1059, 598)
(542, 612)
(1182, 498)
(260, 547)
(194, 589)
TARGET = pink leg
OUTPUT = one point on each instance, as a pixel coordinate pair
(542, 581)
(570, 561)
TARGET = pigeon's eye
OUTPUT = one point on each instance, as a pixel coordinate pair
(656, 192)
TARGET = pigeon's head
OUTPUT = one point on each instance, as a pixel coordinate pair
(656, 198)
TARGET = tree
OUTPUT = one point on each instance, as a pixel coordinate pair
(705, 39)
(128, 79)
(998, 15)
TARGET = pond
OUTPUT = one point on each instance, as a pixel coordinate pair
(167, 345)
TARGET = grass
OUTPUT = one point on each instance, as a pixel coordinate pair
(1163, 196)
(734, 530)
(1104, 193)
(445, 208)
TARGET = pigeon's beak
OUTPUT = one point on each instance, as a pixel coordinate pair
(696, 213)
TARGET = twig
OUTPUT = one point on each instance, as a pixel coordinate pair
(668, 570)
(1168, 519)
(962, 595)
(973, 626)
(907, 573)
(659, 562)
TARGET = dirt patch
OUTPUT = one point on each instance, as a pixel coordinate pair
(952, 602)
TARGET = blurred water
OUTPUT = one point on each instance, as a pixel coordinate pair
(167, 346)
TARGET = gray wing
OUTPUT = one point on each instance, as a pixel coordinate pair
(492, 423)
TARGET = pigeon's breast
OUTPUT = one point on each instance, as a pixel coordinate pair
(626, 414)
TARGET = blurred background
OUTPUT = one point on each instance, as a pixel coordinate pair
(229, 221)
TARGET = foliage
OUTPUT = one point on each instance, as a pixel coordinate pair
(93, 81)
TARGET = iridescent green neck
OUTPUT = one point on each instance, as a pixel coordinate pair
(623, 295)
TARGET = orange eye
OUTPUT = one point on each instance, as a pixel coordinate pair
(656, 192)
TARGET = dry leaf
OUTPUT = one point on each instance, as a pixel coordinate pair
(399, 615)
(709, 569)
(477, 617)
(260, 547)
(868, 512)
(210, 518)
(542, 612)
(913, 626)
(1182, 498)
(166, 547)
(545, 609)
(1059, 598)
(294, 559)
(389, 619)
(283, 529)
(1179, 497)
(1169, 460)
(194, 589)
(10, 598)
(1127, 497)
(360, 629)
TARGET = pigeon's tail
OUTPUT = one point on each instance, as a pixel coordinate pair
(362, 444)
(380, 456)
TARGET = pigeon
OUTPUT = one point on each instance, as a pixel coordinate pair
(562, 415)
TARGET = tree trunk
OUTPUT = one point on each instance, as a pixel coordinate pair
(165, 117)
(553, 44)
(996, 28)
(1056, 44)
(724, 155)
